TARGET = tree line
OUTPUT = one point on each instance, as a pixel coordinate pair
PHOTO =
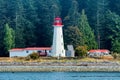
(94, 24)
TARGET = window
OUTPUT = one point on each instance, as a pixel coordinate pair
(61, 36)
(45, 51)
(62, 51)
(27, 51)
(50, 51)
(39, 51)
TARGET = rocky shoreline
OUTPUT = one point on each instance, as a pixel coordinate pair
(56, 66)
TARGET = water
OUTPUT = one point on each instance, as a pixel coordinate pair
(60, 76)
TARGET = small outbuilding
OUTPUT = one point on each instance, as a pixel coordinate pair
(98, 53)
(23, 52)
(70, 52)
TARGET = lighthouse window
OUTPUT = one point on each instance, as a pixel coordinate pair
(62, 51)
(57, 21)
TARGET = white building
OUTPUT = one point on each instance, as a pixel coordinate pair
(98, 53)
(23, 52)
(58, 44)
(57, 49)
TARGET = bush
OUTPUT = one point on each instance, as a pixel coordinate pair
(116, 55)
(34, 56)
(81, 51)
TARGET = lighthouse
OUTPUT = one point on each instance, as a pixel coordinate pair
(58, 43)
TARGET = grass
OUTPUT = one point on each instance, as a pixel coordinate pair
(50, 59)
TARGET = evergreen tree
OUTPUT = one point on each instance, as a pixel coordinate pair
(88, 37)
(96, 10)
(114, 6)
(116, 45)
(31, 23)
(72, 36)
(72, 19)
(7, 10)
(19, 25)
(65, 6)
(112, 31)
(101, 10)
(83, 4)
(47, 14)
(71, 31)
(2, 22)
(8, 38)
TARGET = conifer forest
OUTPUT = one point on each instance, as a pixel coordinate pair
(28, 23)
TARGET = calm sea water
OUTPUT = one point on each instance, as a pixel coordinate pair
(60, 76)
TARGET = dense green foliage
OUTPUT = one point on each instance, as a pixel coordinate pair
(113, 31)
(72, 36)
(8, 38)
(88, 37)
(81, 51)
(91, 23)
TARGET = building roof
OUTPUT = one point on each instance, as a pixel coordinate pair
(31, 48)
(99, 50)
(16, 49)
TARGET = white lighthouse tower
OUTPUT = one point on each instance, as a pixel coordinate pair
(58, 44)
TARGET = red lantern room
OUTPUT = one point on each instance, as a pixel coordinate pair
(57, 21)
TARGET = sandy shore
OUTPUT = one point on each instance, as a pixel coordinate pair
(71, 66)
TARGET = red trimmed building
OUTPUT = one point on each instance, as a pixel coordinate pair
(98, 53)
(23, 52)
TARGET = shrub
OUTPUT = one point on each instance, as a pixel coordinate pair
(81, 51)
(116, 55)
(34, 56)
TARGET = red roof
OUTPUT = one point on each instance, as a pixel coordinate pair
(31, 48)
(16, 49)
(99, 50)
(57, 21)
(38, 48)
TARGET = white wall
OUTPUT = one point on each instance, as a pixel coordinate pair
(58, 43)
(24, 53)
(18, 53)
